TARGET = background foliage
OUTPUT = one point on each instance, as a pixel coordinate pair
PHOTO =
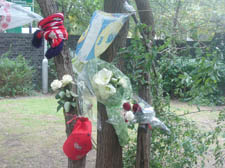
(15, 76)
(190, 71)
(185, 77)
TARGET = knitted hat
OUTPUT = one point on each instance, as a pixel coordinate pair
(53, 30)
(78, 144)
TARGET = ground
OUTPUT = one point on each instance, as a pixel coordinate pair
(29, 138)
(32, 133)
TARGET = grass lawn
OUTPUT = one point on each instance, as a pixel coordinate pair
(30, 128)
(32, 133)
(205, 119)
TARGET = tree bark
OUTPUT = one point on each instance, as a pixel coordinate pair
(175, 19)
(144, 134)
(109, 151)
(146, 17)
(63, 66)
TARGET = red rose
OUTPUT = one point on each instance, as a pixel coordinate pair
(136, 108)
(126, 106)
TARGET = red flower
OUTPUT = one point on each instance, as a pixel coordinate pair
(126, 106)
(136, 108)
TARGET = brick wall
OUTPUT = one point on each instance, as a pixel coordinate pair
(21, 44)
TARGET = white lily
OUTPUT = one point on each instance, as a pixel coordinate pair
(106, 91)
(103, 77)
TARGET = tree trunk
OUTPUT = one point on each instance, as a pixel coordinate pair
(146, 17)
(63, 66)
(144, 134)
(175, 19)
(109, 151)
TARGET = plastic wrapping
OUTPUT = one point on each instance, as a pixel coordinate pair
(13, 15)
(113, 89)
(101, 32)
(121, 83)
(146, 115)
(128, 7)
(93, 72)
(106, 82)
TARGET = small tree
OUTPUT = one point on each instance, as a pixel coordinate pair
(109, 151)
(144, 134)
(63, 66)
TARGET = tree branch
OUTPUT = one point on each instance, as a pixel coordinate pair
(194, 112)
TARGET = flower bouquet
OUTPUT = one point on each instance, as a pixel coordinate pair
(139, 111)
(111, 87)
(66, 97)
(107, 82)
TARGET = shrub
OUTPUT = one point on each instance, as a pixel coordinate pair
(198, 79)
(15, 76)
(186, 146)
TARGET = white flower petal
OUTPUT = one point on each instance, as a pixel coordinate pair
(66, 79)
(102, 77)
(56, 84)
(106, 91)
(129, 116)
(123, 82)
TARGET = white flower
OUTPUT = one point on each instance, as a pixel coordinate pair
(103, 77)
(66, 79)
(129, 116)
(56, 84)
(123, 82)
(106, 91)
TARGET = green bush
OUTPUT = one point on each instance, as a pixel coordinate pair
(15, 76)
(186, 146)
(198, 79)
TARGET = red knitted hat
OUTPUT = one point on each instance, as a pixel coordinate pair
(78, 144)
(53, 30)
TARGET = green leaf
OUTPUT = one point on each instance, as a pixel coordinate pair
(68, 93)
(59, 107)
(61, 102)
(67, 107)
(73, 94)
(73, 104)
(61, 94)
(57, 96)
